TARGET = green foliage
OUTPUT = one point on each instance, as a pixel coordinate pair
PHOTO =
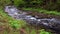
(45, 4)
(33, 31)
(58, 1)
(19, 3)
(44, 32)
(4, 2)
(17, 23)
(43, 11)
(27, 29)
(37, 1)
(33, 3)
(5, 32)
(30, 30)
(13, 22)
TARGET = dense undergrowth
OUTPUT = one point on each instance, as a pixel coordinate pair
(10, 23)
(43, 6)
(42, 11)
(51, 7)
(14, 25)
(13, 22)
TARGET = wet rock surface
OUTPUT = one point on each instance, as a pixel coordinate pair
(51, 23)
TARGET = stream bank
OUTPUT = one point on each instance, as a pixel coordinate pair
(30, 18)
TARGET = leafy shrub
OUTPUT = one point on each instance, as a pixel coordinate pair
(4, 2)
(44, 32)
(19, 3)
(13, 22)
(45, 4)
(17, 23)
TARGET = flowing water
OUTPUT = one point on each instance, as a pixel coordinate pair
(52, 23)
